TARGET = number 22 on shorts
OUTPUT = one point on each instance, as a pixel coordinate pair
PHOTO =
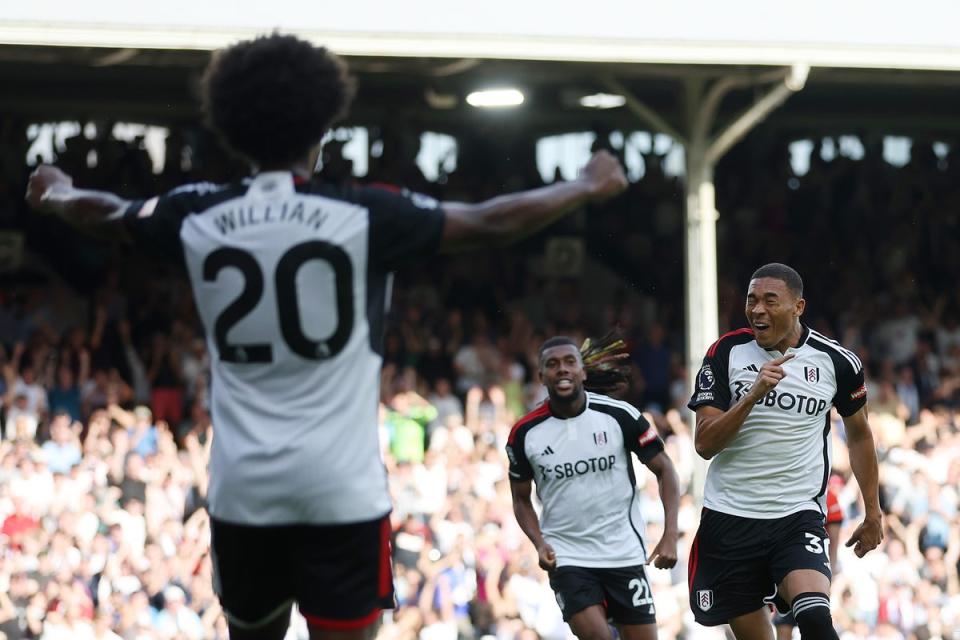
(641, 593)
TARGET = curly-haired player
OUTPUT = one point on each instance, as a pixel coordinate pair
(290, 276)
(271, 99)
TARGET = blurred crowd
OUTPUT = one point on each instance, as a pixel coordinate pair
(105, 429)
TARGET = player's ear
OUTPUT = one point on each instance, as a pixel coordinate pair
(801, 306)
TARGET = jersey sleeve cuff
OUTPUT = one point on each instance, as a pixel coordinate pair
(693, 405)
(133, 208)
(651, 451)
(851, 409)
(436, 231)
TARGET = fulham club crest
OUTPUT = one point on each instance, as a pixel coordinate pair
(812, 374)
(705, 599)
(600, 438)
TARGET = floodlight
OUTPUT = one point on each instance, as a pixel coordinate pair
(493, 98)
(603, 101)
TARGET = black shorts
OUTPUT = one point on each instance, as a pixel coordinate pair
(784, 620)
(736, 563)
(623, 591)
(339, 575)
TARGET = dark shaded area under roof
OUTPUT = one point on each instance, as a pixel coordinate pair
(159, 87)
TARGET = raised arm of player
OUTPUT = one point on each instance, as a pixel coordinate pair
(520, 491)
(509, 217)
(497, 221)
(51, 190)
(863, 462)
(716, 428)
(664, 555)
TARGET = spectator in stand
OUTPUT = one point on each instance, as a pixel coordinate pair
(164, 376)
(62, 450)
(908, 589)
(177, 619)
(653, 360)
(64, 395)
(407, 422)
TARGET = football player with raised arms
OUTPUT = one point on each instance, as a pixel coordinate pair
(290, 276)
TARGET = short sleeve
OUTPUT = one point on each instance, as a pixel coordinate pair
(520, 468)
(641, 437)
(404, 226)
(154, 224)
(851, 389)
(712, 387)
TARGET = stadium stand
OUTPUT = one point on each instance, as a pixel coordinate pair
(105, 430)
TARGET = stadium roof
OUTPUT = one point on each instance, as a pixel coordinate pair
(158, 86)
(854, 33)
(417, 60)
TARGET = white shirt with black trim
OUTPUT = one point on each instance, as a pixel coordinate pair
(584, 479)
(779, 461)
(291, 280)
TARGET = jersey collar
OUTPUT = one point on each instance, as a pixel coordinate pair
(804, 336)
(556, 415)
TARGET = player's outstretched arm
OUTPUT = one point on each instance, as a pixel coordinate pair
(863, 462)
(664, 555)
(520, 491)
(716, 428)
(506, 218)
(50, 190)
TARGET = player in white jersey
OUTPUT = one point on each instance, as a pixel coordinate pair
(577, 448)
(763, 399)
(290, 277)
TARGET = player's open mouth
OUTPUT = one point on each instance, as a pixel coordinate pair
(760, 326)
(564, 385)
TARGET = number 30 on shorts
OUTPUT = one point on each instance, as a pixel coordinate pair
(817, 545)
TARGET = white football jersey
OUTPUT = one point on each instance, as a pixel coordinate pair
(584, 478)
(291, 280)
(779, 461)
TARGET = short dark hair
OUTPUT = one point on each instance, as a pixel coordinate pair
(556, 341)
(788, 275)
(272, 98)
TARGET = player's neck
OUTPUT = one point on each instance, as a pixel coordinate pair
(792, 339)
(563, 408)
(300, 168)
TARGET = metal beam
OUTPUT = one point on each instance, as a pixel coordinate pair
(642, 111)
(793, 82)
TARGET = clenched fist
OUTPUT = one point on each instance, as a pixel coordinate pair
(603, 176)
(43, 180)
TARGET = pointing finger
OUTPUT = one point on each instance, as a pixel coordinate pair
(782, 359)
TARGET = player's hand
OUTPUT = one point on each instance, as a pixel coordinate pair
(603, 175)
(548, 557)
(664, 555)
(867, 536)
(770, 375)
(42, 181)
